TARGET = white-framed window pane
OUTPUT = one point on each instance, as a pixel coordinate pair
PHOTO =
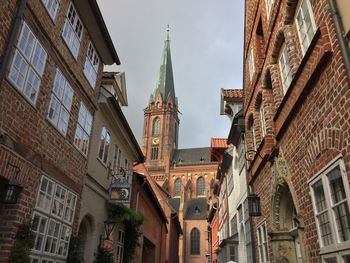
(70, 207)
(53, 230)
(26, 42)
(104, 145)
(285, 68)
(28, 64)
(31, 87)
(64, 241)
(305, 24)
(52, 7)
(339, 204)
(72, 31)
(52, 237)
(91, 65)
(18, 70)
(322, 214)
(82, 134)
(39, 229)
(39, 58)
(44, 198)
(59, 201)
(61, 102)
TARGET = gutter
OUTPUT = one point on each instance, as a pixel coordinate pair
(339, 29)
(12, 38)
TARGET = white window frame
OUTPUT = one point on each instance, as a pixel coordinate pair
(73, 30)
(285, 68)
(262, 243)
(303, 27)
(105, 142)
(61, 103)
(60, 221)
(120, 246)
(52, 7)
(83, 130)
(322, 177)
(91, 65)
(28, 64)
(251, 66)
(269, 5)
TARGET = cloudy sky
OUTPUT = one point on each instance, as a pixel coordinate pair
(206, 49)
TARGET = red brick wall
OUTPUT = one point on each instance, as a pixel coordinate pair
(32, 143)
(310, 123)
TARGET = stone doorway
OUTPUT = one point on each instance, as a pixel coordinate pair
(148, 251)
(85, 239)
(286, 230)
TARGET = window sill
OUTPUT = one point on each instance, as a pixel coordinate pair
(102, 163)
(335, 248)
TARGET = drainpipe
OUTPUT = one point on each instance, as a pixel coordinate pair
(12, 38)
(340, 35)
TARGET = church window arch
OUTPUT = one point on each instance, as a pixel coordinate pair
(156, 127)
(195, 241)
(177, 187)
(200, 186)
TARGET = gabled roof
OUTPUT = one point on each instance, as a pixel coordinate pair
(165, 80)
(192, 156)
(196, 209)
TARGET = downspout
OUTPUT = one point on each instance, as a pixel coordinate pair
(12, 38)
(340, 35)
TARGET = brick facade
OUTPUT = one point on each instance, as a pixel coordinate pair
(28, 140)
(306, 126)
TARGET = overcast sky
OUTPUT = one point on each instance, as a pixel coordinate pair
(206, 50)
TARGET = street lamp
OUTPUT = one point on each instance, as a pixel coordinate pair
(109, 226)
(254, 205)
(11, 192)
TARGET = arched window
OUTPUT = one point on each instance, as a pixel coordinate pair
(200, 186)
(195, 241)
(177, 187)
(156, 127)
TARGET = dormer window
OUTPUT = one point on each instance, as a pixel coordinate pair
(197, 210)
(91, 65)
(73, 31)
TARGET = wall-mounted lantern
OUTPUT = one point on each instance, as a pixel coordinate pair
(254, 205)
(11, 192)
(109, 226)
(13, 188)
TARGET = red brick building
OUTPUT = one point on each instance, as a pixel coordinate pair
(186, 174)
(152, 247)
(296, 110)
(52, 56)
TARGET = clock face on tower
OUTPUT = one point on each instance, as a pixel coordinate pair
(155, 141)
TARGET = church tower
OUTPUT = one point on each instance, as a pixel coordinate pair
(161, 121)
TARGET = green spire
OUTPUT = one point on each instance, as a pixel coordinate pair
(165, 81)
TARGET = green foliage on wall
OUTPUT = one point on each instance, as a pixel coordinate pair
(24, 242)
(132, 221)
(74, 253)
(103, 256)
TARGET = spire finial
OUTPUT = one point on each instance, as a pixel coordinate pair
(167, 31)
